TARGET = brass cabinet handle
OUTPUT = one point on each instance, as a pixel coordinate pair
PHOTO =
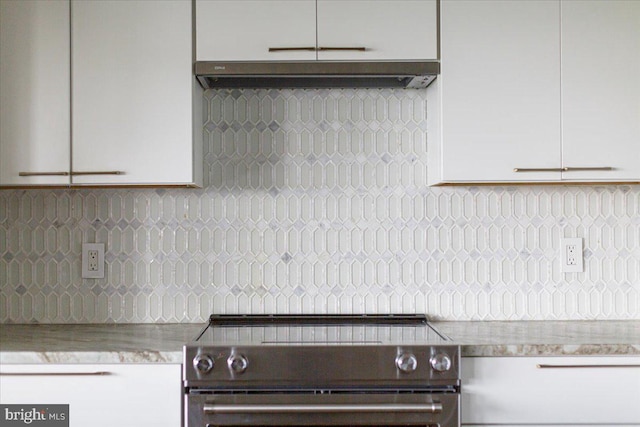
(359, 49)
(585, 366)
(70, 173)
(98, 173)
(314, 49)
(538, 169)
(602, 168)
(43, 174)
(565, 169)
(281, 49)
(54, 374)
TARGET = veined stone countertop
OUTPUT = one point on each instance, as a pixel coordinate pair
(162, 343)
(96, 343)
(545, 338)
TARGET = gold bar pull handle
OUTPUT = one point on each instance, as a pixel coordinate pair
(43, 174)
(542, 366)
(327, 48)
(288, 49)
(539, 169)
(601, 168)
(98, 173)
(55, 374)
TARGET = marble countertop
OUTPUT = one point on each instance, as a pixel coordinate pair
(96, 343)
(162, 343)
(545, 338)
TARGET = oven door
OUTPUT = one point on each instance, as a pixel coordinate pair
(323, 409)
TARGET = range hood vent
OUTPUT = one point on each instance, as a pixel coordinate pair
(316, 74)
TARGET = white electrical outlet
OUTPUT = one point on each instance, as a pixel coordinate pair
(93, 260)
(572, 261)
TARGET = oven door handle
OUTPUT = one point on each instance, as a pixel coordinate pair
(429, 408)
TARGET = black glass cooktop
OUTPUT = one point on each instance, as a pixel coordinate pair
(319, 329)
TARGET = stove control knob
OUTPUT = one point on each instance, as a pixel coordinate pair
(237, 363)
(203, 363)
(407, 362)
(440, 362)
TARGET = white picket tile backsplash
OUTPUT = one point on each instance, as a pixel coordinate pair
(316, 201)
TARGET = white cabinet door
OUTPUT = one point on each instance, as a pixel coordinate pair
(570, 390)
(601, 88)
(34, 92)
(132, 92)
(130, 395)
(232, 30)
(499, 92)
(388, 30)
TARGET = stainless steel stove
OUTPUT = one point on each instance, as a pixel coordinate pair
(340, 370)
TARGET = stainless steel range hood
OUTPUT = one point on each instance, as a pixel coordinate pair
(316, 74)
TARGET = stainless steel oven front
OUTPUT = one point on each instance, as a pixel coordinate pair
(323, 408)
(340, 375)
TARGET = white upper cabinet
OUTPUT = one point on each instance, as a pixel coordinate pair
(250, 30)
(536, 91)
(309, 30)
(601, 89)
(388, 30)
(496, 105)
(34, 92)
(98, 93)
(132, 93)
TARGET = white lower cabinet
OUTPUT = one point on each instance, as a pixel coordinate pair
(588, 390)
(103, 395)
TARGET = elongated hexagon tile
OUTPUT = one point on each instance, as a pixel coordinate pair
(316, 201)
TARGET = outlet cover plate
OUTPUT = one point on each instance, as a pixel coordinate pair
(86, 273)
(572, 262)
